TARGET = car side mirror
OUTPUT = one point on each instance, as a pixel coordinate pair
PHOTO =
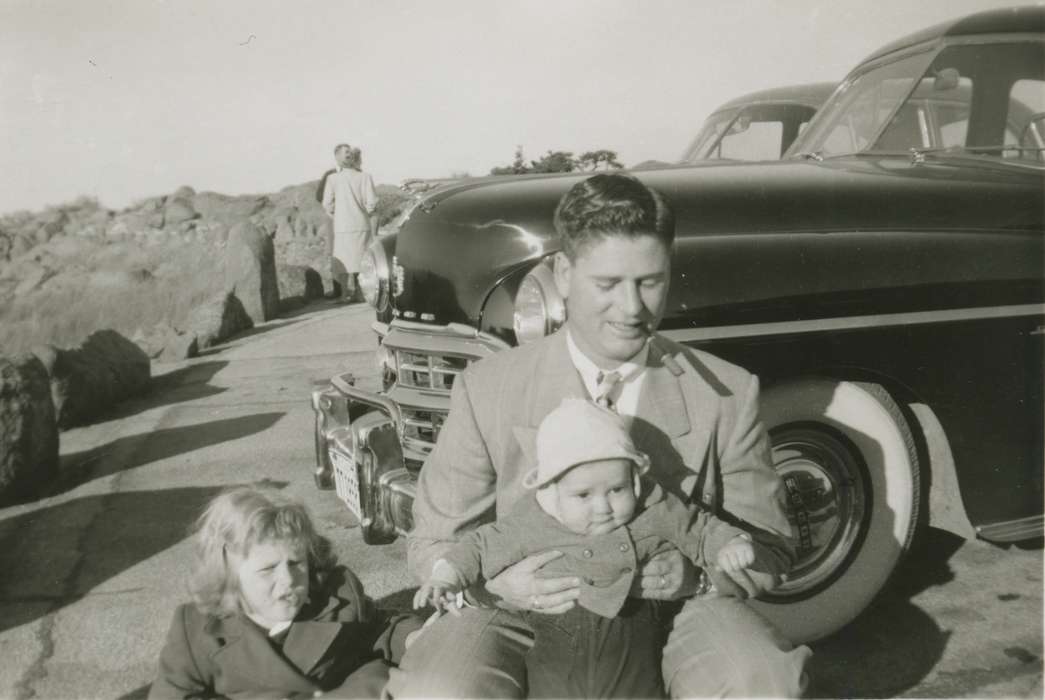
(740, 124)
(946, 79)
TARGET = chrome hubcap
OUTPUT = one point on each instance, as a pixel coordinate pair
(826, 504)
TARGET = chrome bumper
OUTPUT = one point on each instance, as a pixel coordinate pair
(370, 446)
(358, 453)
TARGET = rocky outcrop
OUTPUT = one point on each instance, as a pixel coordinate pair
(250, 271)
(28, 431)
(33, 276)
(225, 209)
(178, 210)
(166, 343)
(298, 285)
(88, 380)
(214, 322)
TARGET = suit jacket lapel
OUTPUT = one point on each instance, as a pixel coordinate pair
(661, 401)
(557, 379)
(679, 405)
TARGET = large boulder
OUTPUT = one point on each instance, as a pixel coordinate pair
(250, 271)
(226, 209)
(88, 380)
(166, 343)
(28, 431)
(20, 244)
(51, 224)
(178, 210)
(33, 276)
(221, 318)
(298, 285)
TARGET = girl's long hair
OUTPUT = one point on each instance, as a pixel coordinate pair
(235, 521)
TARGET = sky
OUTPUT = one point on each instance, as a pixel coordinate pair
(126, 99)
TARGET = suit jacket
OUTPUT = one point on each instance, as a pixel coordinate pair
(333, 636)
(697, 419)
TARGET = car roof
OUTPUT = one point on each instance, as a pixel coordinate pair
(1010, 20)
(810, 94)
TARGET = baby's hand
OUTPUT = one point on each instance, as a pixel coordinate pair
(441, 596)
(442, 589)
(737, 555)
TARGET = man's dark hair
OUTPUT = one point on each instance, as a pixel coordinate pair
(611, 205)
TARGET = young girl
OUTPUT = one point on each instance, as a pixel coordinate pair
(272, 613)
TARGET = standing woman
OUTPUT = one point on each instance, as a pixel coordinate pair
(349, 197)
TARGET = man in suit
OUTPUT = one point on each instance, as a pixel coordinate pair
(696, 417)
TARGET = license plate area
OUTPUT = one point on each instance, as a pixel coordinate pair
(346, 482)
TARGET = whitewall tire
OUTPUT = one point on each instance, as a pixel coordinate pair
(851, 473)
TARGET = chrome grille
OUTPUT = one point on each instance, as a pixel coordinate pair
(422, 426)
(423, 361)
(428, 371)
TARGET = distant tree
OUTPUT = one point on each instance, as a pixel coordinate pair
(601, 159)
(560, 162)
(554, 162)
(517, 167)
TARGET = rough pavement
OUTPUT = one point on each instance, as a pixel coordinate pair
(90, 575)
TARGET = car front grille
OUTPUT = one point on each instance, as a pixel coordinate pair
(424, 371)
(425, 361)
(421, 425)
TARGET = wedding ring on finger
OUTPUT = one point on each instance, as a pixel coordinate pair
(663, 581)
(535, 602)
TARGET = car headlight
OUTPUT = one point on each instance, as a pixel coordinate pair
(373, 276)
(539, 310)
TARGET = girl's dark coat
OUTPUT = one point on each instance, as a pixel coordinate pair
(339, 644)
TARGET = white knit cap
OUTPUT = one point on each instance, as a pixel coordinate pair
(576, 432)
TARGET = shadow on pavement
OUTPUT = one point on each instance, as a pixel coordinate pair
(137, 694)
(135, 450)
(256, 330)
(89, 541)
(893, 644)
(187, 383)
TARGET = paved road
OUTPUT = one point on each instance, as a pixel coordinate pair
(90, 575)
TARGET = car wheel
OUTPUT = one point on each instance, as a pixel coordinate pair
(851, 477)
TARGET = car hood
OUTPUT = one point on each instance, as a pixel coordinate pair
(464, 239)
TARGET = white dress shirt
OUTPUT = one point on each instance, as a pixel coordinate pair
(625, 396)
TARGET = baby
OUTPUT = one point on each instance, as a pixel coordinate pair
(590, 502)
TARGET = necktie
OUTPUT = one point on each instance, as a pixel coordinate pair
(606, 382)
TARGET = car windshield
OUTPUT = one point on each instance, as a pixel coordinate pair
(985, 100)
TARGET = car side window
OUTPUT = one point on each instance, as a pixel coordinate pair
(752, 140)
(762, 132)
(1026, 120)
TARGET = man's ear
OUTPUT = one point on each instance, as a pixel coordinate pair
(563, 272)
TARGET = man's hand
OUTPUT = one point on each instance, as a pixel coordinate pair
(519, 586)
(666, 576)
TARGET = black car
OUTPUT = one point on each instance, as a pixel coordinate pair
(758, 126)
(885, 281)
